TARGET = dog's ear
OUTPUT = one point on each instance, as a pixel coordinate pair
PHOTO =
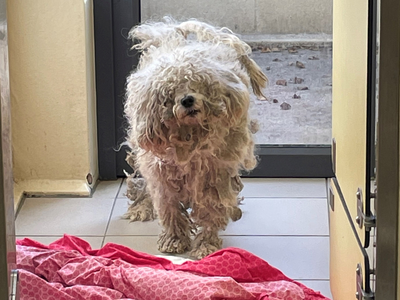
(142, 110)
(236, 98)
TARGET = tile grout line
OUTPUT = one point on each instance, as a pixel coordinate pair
(320, 279)
(276, 235)
(111, 212)
(58, 235)
(232, 235)
(285, 197)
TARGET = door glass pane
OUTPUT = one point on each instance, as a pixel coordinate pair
(299, 96)
(292, 43)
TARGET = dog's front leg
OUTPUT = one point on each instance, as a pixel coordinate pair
(211, 212)
(210, 215)
(175, 237)
(164, 184)
(168, 198)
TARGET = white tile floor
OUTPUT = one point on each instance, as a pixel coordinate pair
(285, 222)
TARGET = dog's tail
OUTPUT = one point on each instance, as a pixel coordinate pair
(258, 79)
(155, 34)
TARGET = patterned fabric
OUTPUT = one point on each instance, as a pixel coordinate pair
(68, 269)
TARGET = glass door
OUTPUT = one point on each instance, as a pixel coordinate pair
(292, 43)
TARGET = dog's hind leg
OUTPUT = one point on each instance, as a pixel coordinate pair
(234, 211)
(142, 207)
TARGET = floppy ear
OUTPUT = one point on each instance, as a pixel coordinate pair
(236, 98)
(142, 110)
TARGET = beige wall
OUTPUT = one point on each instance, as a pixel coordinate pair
(250, 16)
(349, 129)
(52, 95)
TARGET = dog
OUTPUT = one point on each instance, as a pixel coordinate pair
(189, 130)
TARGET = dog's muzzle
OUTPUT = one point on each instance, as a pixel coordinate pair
(187, 101)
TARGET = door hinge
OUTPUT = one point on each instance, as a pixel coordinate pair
(362, 219)
(331, 198)
(361, 294)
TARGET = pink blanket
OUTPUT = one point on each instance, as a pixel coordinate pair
(68, 269)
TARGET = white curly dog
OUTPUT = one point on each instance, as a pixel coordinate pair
(189, 130)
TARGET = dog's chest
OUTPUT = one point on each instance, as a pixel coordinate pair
(201, 166)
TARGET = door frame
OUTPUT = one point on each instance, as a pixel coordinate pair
(7, 224)
(387, 203)
(113, 61)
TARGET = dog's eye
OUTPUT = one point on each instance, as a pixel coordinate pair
(168, 102)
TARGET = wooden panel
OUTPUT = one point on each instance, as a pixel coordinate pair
(349, 131)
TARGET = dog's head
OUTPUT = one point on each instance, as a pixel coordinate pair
(202, 94)
(184, 87)
(188, 92)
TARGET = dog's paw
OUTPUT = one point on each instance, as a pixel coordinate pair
(142, 211)
(203, 250)
(173, 244)
(205, 243)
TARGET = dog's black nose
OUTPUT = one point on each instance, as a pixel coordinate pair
(187, 101)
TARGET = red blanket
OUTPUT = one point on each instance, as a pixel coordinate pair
(68, 269)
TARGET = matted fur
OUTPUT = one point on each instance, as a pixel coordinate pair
(190, 157)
